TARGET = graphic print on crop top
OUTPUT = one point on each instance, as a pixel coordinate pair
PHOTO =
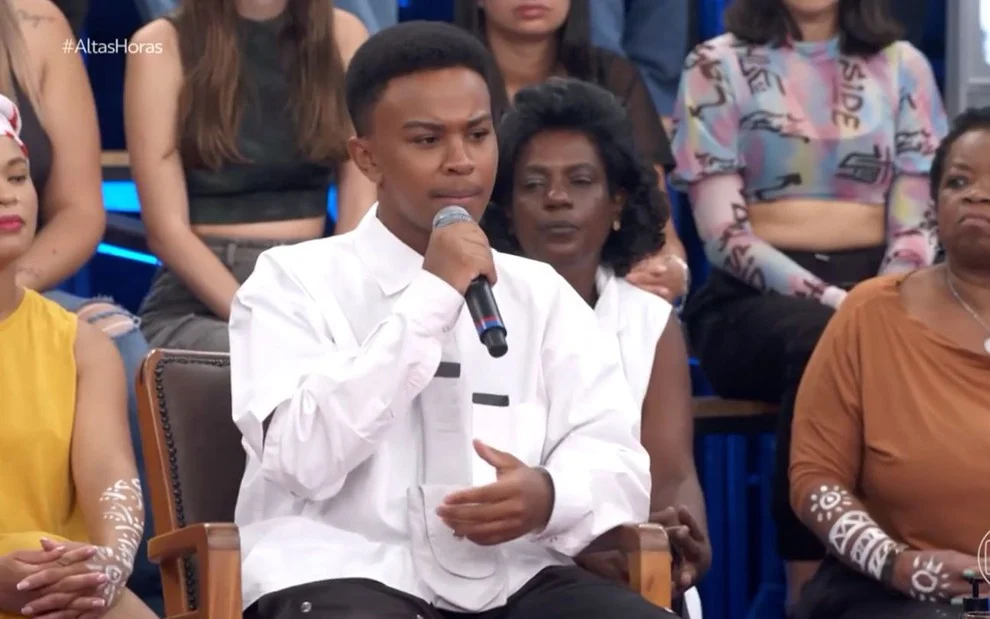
(758, 123)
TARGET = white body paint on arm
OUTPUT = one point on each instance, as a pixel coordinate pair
(124, 508)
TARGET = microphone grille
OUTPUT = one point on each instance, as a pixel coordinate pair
(450, 215)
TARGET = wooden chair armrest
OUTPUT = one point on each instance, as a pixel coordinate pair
(646, 548)
(714, 415)
(217, 549)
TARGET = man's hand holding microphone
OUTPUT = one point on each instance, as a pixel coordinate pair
(459, 252)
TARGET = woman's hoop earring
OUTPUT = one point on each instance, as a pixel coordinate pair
(616, 225)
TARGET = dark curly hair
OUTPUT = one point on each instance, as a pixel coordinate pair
(571, 104)
(973, 119)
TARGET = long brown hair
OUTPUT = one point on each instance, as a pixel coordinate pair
(13, 56)
(210, 105)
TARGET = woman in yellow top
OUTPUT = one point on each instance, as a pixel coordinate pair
(71, 515)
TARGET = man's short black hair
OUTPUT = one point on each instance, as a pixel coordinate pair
(410, 47)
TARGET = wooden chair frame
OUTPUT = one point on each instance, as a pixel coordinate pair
(216, 546)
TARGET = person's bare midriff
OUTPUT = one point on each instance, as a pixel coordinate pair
(291, 230)
(818, 225)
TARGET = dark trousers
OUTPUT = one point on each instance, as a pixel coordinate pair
(755, 346)
(557, 592)
(838, 592)
(173, 317)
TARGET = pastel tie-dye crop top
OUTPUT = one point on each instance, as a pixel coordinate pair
(757, 123)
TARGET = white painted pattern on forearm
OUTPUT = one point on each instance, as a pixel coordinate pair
(878, 558)
(829, 502)
(124, 507)
(846, 528)
(865, 544)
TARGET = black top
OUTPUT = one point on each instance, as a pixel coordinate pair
(38, 145)
(278, 182)
(622, 79)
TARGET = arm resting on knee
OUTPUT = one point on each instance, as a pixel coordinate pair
(103, 462)
(826, 443)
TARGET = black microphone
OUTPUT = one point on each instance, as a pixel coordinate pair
(479, 298)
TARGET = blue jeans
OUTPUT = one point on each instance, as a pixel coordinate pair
(146, 581)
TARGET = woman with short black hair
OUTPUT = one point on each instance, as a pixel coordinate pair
(530, 44)
(571, 191)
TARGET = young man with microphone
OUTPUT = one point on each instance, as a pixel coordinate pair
(397, 467)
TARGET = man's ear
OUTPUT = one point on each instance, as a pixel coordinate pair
(364, 158)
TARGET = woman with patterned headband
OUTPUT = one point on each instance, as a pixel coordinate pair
(72, 516)
(60, 128)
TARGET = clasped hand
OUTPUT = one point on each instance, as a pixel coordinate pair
(934, 575)
(693, 553)
(519, 502)
(660, 274)
(58, 581)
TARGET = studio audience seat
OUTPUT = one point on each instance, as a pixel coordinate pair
(195, 464)
(715, 415)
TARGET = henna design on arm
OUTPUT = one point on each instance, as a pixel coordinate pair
(841, 521)
(124, 515)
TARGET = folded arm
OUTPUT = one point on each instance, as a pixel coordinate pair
(722, 217)
(103, 462)
(599, 469)
(330, 400)
(912, 237)
(912, 233)
(709, 167)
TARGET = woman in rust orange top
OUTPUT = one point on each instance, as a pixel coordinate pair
(890, 458)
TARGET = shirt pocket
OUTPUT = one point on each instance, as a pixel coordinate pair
(518, 429)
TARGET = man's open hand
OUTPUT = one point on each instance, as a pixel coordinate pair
(519, 502)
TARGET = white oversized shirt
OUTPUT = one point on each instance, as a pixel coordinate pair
(378, 384)
(637, 319)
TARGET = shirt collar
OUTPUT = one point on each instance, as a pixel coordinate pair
(392, 263)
